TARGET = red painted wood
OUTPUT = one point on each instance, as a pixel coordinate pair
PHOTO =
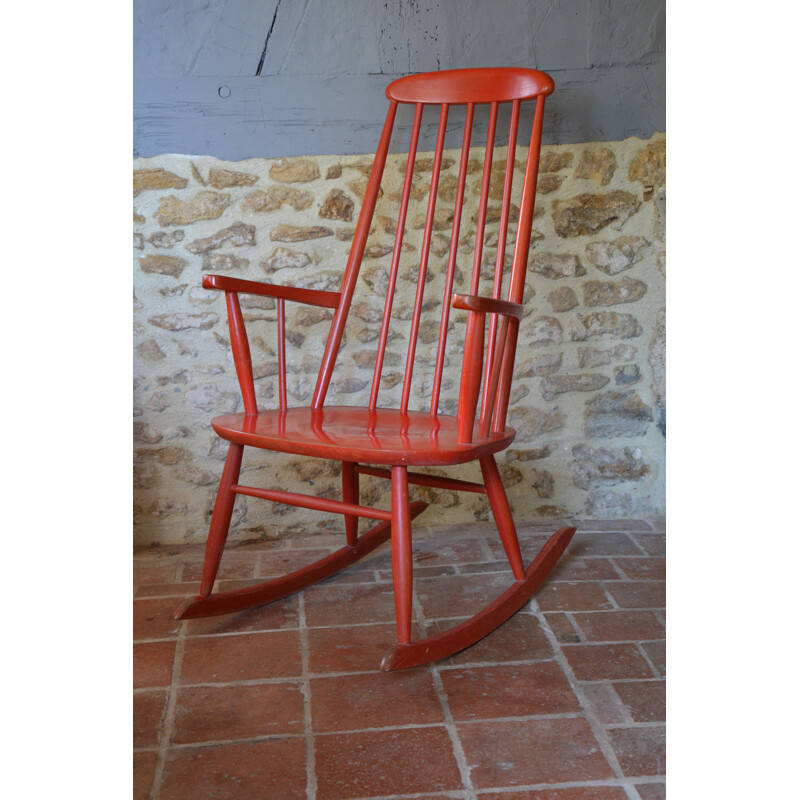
(312, 297)
(384, 442)
(282, 401)
(354, 261)
(493, 369)
(241, 353)
(421, 479)
(487, 305)
(423, 264)
(396, 254)
(348, 433)
(486, 403)
(277, 588)
(502, 514)
(479, 85)
(451, 258)
(483, 201)
(350, 494)
(312, 502)
(221, 518)
(401, 553)
(453, 640)
(470, 375)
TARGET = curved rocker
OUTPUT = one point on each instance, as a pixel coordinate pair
(467, 633)
(277, 588)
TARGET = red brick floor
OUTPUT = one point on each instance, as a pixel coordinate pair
(565, 701)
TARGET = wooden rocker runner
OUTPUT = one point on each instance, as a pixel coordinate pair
(387, 442)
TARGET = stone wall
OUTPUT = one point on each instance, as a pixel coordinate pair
(588, 402)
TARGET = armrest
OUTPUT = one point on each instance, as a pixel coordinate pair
(487, 305)
(312, 297)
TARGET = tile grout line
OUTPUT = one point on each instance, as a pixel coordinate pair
(449, 724)
(656, 673)
(311, 771)
(619, 705)
(596, 726)
(168, 726)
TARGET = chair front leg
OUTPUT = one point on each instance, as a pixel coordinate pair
(401, 553)
(221, 518)
(350, 494)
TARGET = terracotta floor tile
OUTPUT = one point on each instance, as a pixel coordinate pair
(484, 566)
(429, 572)
(646, 700)
(562, 627)
(144, 767)
(152, 619)
(353, 649)
(598, 662)
(529, 544)
(604, 525)
(644, 594)
(643, 569)
(508, 691)
(562, 596)
(246, 771)
(640, 751)
(281, 562)
(605, 704)
(657, 653)
(607, 590)
(282, 614)
(445, 550)
(620, 626)
(379, 559)
(217, 713)
(153, 571)
(376, 763)
(351, 576)
(532, 752)
(652, 791)
(233, 565)
(574, 568)
(461, 595)
(374, 700)
(240, 657)
(152, 664)
(573, 793)
(602, 544)
(148, 709)
(654, 544)
(520, 638)
(176, 590)
(354, 603)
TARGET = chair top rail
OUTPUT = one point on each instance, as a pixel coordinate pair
(474, 85)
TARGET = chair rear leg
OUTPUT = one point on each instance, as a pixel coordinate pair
(221, 518)
(401, 553)
(350, 494)
(498, 501)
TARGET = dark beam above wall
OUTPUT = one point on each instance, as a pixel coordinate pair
(266, 78)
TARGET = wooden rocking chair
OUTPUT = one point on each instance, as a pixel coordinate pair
(385, 442)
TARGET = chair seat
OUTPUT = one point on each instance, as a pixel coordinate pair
(346, 433)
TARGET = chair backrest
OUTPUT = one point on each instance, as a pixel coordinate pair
(477, 91)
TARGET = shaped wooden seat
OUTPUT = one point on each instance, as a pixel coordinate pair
(380, 436)
(384, 442)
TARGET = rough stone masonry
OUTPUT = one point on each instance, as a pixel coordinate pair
(588, 401)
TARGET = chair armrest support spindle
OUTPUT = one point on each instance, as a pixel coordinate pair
(239, 340)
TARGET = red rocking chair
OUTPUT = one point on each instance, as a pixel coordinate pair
(386, 442)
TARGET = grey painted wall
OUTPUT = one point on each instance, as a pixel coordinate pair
(266, 78)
